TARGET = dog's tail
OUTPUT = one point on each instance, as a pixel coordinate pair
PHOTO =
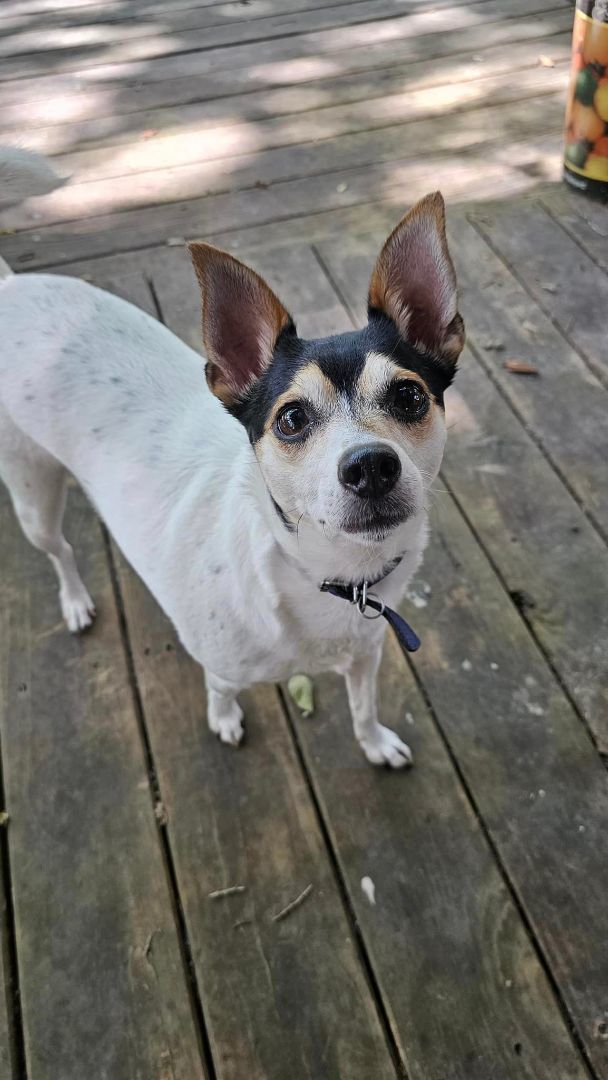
(23, 174)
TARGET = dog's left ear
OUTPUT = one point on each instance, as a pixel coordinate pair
(242, 319)
(414, 282)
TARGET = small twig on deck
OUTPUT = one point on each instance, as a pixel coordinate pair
(230, 891)
(293, 905)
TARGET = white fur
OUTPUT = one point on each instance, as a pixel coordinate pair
(24, 174)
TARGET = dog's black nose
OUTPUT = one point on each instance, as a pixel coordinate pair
(370, 471)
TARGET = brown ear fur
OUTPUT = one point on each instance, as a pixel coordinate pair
(242, 319)
(414, 283)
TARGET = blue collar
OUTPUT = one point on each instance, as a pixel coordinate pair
(360, 595)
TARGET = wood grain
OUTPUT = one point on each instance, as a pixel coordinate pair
(103, 988)
(122, 112)
(464, 989)
(583, 220)
(536, 779)
(463, 161)
(323, 29)
(561, 277)
(566, 398)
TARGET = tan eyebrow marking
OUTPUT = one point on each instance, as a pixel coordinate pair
(379, 372)
(311, 385)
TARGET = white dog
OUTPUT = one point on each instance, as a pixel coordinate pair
(294, 463)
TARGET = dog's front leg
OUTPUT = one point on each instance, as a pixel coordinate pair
(380, 745)
(224, 714)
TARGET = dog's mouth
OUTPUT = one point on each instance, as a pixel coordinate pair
(375, 525)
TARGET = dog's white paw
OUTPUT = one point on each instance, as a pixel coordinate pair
(77, 609)
(229, 726)
(384, 747)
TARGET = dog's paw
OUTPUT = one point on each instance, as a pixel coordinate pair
(229, 726)
(384, 747)
(77, 609)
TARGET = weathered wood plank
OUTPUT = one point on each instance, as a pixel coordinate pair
(184, 14)
(61, 35)
(266, 42)
(563, 280)
(403, 143)
(551, 559)
(536, 779)
(190, 70)
(15, 8)
(232, 156)
(315, 111)
(496, 472)
(280, 999)
(465, 990)
(206, 28)
(566, 397)
(103, 988)
(583, 219)
(463, 165)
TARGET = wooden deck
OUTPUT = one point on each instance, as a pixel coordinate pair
(295, 134)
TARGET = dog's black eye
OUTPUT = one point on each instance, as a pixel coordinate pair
(409, 400)
(292, 421)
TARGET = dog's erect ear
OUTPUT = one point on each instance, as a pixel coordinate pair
(242, 320)
(414, 283)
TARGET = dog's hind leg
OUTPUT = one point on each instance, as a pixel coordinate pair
(37, 485)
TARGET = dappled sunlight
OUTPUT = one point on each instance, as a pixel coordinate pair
(364, 113)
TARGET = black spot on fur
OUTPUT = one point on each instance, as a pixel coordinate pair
(341, 359)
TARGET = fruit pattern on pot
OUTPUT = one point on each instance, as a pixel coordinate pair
(587, 111)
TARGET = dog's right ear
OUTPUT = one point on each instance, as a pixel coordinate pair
(415, 285)
(242, 319)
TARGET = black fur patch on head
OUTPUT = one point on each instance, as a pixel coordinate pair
(341, 358)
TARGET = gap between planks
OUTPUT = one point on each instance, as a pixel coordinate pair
(9, 960)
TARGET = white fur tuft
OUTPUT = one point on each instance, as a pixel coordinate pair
(24, 174)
